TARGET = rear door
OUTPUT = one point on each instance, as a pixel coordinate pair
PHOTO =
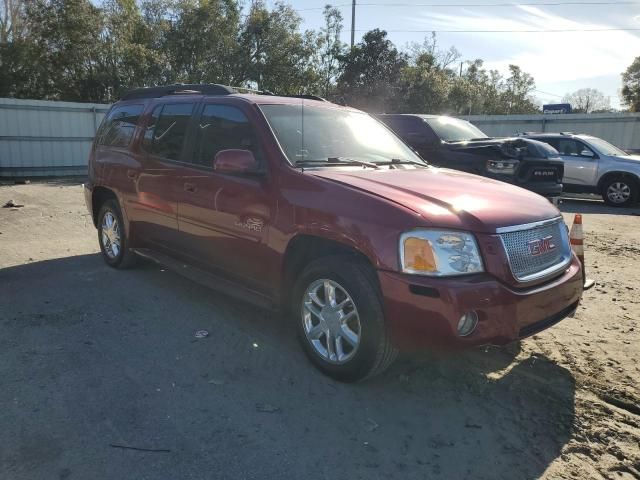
(579, 169)
(158, 182)
(224, 219)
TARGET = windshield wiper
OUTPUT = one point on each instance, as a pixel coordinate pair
(398, 161)
(337, 161)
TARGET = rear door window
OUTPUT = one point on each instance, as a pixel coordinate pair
(164, 135)
(117, 129)
(223, 127)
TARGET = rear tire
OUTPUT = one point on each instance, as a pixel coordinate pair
(620, 191)
(346, 338)
(112, 237)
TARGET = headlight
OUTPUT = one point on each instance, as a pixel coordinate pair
(439, 253)
(505, 167)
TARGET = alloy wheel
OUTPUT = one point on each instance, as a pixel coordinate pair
(618, 192)
(110, 235)
(331, 321)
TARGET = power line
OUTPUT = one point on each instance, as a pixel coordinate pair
(469, 5)
(516, 31)
(548, 93)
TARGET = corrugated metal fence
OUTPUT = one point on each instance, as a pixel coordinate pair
(43, 138)
(621, 129)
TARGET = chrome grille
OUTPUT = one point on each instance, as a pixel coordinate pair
(524, 262)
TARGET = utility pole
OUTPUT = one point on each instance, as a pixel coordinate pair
(353, 21)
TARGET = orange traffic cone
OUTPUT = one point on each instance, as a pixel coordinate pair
(576, 239)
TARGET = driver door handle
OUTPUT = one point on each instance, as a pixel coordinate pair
(190, 187)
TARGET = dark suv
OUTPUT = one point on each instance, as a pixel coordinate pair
(321, 212)
(454, 143)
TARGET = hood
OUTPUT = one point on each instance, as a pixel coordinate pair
(448, 198)
(629, 159)
(509, 147)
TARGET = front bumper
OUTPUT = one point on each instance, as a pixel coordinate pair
(424, 311)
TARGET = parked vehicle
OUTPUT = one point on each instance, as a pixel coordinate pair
(593, 165)
(454, 143)
(321, 211)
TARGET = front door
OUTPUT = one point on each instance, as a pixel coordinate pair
(580, 161)
(224, 219)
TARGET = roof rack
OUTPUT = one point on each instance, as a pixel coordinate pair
(203, 89)
(178, 88)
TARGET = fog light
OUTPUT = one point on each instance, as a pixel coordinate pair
(467, 323)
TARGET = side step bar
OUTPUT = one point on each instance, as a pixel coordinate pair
(207, 279)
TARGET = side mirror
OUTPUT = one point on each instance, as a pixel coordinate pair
(587, 153)
(235, 162)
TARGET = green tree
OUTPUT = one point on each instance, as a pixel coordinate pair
(274, 54)
(203, 43)
(65, 40)
(371, 71)
(516, 96)
(126, 58)
(631, 86)
(330, 48)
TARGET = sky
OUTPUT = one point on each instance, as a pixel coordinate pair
(560, 62)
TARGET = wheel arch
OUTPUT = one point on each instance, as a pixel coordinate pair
(617, 174)
(98, 197)
(303, 249)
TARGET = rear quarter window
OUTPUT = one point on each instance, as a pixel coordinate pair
(118, 127)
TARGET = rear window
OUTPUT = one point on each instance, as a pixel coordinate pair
(117, 129)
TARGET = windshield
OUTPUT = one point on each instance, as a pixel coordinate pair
(310, 133)
(454, 130)
(605, 148)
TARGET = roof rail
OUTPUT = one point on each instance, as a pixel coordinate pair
(178, 88)
(203, 89)
(307, 96)
(567, 133)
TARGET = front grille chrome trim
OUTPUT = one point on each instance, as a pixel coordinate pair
(528, 226)
(561, 262)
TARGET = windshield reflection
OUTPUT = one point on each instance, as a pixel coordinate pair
(311, 133)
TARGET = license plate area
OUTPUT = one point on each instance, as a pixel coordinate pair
(544, 174)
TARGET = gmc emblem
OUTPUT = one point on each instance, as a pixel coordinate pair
(541, 245)
(543, 173)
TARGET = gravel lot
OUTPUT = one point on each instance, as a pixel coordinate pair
(93, 359)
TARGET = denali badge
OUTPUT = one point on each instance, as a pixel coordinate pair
(541, 245)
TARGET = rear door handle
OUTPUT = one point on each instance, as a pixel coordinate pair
(189, 187)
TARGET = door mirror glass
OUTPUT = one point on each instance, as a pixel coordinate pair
(587, 153)
(235, 162)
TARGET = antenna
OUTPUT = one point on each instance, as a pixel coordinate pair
(302, 137)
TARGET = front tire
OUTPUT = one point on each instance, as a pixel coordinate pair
(112, 237)
(620, 192)
(340, 322)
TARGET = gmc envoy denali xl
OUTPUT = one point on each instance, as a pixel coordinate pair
(318, 210)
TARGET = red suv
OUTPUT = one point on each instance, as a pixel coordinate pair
(320, 211)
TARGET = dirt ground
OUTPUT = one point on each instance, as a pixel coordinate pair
(93, 360)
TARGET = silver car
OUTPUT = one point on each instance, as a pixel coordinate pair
(592, 165)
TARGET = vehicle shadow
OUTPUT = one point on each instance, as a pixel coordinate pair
(96, 356)
(595, 206)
